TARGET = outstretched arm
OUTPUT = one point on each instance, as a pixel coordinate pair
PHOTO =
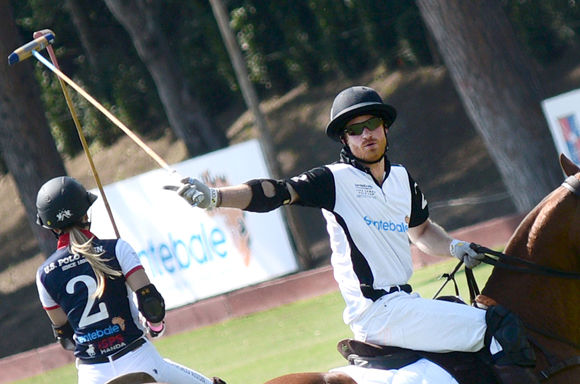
(256, 195)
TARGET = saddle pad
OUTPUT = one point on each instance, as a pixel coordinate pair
(420, 372)
(466, 368)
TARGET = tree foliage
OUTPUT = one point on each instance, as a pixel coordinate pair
(285, 43)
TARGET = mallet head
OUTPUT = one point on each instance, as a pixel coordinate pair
(25, 51)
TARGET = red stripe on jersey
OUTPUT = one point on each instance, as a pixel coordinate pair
(133, 270)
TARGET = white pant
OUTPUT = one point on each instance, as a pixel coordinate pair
(144, 359)
(409, 321)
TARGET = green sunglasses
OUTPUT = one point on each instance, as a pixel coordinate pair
(358, 128)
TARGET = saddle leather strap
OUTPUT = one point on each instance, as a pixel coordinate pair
(551, 370)
(394, 361)
(555, 366)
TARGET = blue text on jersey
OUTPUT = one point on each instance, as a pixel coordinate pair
(386, 225)
(99, 333)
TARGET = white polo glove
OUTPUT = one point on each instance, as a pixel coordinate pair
(463, 251)
(198, 194)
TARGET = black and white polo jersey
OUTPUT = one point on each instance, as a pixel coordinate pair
(367, 224)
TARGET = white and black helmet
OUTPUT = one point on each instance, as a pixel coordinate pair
(357, 101)
(62, 201)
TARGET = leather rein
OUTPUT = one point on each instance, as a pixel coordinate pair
(523, 266)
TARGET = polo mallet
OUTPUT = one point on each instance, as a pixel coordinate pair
(43, 40)
(48, 32)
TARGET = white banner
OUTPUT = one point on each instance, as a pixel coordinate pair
(191, 253)
(563, 115)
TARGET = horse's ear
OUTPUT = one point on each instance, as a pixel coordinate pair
(568, 166)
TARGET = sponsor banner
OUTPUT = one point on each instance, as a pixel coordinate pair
(191, 253)
(563, 115)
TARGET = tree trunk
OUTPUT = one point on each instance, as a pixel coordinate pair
(500, 91)
(81, 22)
(27, 144)
(184, 112)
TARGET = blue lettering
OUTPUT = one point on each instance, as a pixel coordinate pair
(149, 261)
(99, 333)
(197, 250)
(204, 243)
(218, 238)
(176, 253)
(386, 225)
(183, 253)
(165, 255)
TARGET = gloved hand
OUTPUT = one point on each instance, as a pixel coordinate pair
(463, 251)
(198, 194)
(155, 331)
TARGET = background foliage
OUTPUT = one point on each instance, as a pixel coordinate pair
(285, 43)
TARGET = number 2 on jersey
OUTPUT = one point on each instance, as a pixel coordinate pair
(91, 285)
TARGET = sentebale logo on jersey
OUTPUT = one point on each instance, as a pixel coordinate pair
(386, 225)
(99, 333)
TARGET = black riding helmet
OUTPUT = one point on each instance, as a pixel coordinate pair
(353, 102)
(62, 201)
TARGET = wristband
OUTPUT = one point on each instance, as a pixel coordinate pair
(158, 328)
(453, 245)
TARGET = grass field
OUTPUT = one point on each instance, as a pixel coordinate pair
(298, 337)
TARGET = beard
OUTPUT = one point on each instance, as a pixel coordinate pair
(372, 157)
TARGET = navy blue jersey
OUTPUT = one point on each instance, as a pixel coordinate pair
(102, 325)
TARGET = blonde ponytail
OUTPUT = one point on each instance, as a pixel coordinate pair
(82, 245)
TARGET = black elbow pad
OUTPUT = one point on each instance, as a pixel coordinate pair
(262, 203)
(64, 335)
(151, 303)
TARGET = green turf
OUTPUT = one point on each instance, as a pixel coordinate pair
(298, 337)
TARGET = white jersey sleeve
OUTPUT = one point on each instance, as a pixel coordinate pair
(45, 299)
(127, 257)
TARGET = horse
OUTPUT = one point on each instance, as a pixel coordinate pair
(548, 237)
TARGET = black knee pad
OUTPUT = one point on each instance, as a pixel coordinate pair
(506, 327)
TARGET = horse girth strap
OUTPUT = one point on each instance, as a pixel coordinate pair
(551, 370)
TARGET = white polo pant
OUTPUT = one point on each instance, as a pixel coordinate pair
(409, 321)
(144, 359)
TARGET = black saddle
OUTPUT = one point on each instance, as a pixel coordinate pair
(465, 367)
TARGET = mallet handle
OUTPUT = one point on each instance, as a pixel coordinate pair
(111, 117)
(80, 132)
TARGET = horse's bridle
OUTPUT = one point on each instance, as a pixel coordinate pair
(572, 184)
